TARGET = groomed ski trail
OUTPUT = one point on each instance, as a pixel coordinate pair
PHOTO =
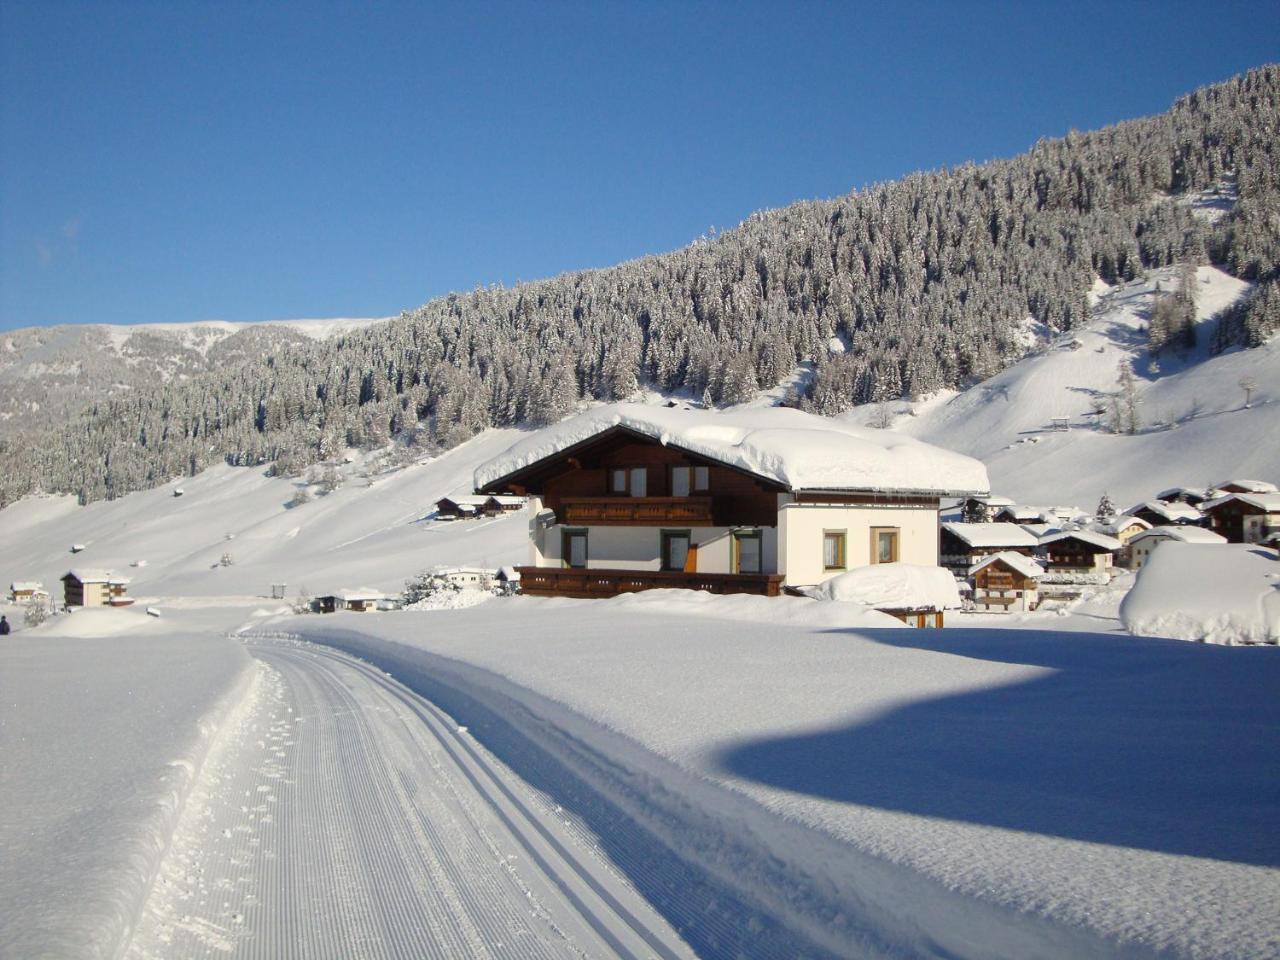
(345, 816)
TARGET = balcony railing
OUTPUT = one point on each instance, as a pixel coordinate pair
(637, 511)
(579, 582)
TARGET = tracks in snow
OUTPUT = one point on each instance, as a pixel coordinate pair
(345, 816)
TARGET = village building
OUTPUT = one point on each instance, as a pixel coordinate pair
(469, 507)
(1124, 528)
(1006, 582)
(1079, 551)
(1189, 495)
(983, 509)
(1244, 517)
(1022, 514)
(629, 497)
(961, 545)
(1158, 513)
(362, 600)
(1243, 486)
(1144, 544)
(467, 578)
(27, 591)
(95, 588)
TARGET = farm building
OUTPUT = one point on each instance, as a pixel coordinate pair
(1006, 582)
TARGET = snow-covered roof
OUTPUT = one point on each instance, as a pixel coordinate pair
(1118, 525)
(991, 534)
(1174, 493)
(470, 500)
(1023, 512)
(96, 576)
(25, 586)
(1248, 486)
(994, 501)
(360, 595)
(1266, 502)
(1173, 512)
(1184, 533)
(797, 450)
(1084, 536)
(1023, 564)
(1039, 530)
(893, 586)
(505, 499)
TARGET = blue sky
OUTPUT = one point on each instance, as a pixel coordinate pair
(251, 161)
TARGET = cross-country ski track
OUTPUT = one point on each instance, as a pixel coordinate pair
(342, 815)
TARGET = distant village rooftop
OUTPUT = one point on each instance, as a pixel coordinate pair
(798, 451)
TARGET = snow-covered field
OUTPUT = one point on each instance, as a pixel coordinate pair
(726, 776)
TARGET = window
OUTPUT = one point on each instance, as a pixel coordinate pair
(639, 481)
(628, 480)
(680, 481)
(747, 553)
(573, 548)
(675, 549)
(701, 479)
(884, 544)
(833, 552)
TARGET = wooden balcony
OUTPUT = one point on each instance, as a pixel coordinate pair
(586, 583)
(635, 511)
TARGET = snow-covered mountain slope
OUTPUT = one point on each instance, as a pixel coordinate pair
(50, 373)
(1195, 427)
(371, 531)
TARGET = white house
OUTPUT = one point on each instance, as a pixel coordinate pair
(630, 497)
(1142, 545)
(27, 591)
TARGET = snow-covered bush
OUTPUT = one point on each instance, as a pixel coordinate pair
(426, 585)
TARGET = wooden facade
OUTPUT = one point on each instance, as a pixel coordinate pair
(1074, 553)
(999, 584)
(587, 583)
(1235, 518)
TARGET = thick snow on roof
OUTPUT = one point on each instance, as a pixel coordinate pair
(994, 501)
(1266, 502)
(1249, 486)
(991, 534)
(1118, 525)
(361, 595)
(1218, 592)
(893, 586)
(1023, 512)
(22, 585)
(470, 500)
(1023, 564)
(1170, 511)
(1183, 533)
(96, 576)
(799, 450)
(1086, 536)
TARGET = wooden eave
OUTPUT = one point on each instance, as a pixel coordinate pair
(531, 478)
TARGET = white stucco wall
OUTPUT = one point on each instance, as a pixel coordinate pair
(801, 527)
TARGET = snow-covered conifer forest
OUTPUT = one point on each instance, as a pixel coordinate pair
(892, 292)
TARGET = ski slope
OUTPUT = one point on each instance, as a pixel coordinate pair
(1196, 430)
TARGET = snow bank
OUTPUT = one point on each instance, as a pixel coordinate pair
(798, 450)
(102, 739)
(893, 586)
(1225, 593)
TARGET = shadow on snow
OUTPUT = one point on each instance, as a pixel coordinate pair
(1149, 744)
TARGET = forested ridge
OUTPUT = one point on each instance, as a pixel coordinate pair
(894, 291)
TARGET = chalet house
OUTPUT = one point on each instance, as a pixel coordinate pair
(1079, 551)
(984, 509)
(1244, 517)
(1144, 544)
(1189, 495)
(94, 588)
(1244, 486)
(1021, 514)
(468, 578)
(1124, 528)
(632, 497)
(27, 591)
(1006, 582)
(1158, 513)
(362, 600)
(465, 508)
(961, 545)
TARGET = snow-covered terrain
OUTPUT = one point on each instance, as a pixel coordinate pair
(731, 776)
(1195, 426)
